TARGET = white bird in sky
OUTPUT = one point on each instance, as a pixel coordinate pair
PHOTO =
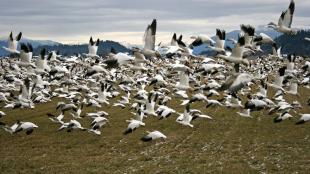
(285, 21)
(13, 43)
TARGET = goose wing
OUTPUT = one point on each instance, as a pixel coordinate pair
(286, 17)
(149, 36)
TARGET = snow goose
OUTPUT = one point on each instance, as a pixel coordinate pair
(278, 82)
(249, 32)
(66, 107)
(219, 42)
(27, 126)
(153, 136)
(92, 47)
(26, 56)
(236, 82)
(285, 115)
(98, 122)
(285, 21)
(304, 118)
(149, 39)
(133, 125)
(185, 118)
(40, 63)
(164, 111)
(201, 39)
(12, 43)
(72, 124)
(57, 119)
(245, 113)
(276, 52)
(264, 39)
(237, 53)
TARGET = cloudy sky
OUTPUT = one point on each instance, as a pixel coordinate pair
(71, 21)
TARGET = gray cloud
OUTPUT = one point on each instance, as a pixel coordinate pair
(75, 21)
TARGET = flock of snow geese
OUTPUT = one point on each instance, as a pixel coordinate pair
(146, 80)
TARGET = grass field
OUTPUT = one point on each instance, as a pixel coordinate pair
(226, 144)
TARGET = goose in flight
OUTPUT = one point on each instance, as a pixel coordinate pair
(285, 115)
(263, 39)
(236, 82)
(20, 126)
(276, 52)
(26, 56)
(12, 43)
(149, 39)
(201, 39)
(219, 42)
(133, 125)
(153, 136)
(237, 54)
(93, 47)
(249, 32)
(285, 21)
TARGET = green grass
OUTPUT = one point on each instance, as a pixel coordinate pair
(226, 144)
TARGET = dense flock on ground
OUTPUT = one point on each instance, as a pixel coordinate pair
(149, 78)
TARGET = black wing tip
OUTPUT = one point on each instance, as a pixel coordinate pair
(300, 122)
(91, 41)
(127, 131)
(146, 138)
(24, 47)
(19, 36)
(42, 53)
(97, 42)
(277, 120)
(241, 40)
(30, 48)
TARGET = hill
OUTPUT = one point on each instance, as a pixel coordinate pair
(34, 43)
(69, 50)
(294, 44)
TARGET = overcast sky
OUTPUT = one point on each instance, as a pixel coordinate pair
(73, 21)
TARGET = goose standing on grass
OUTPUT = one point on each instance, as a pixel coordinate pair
(285, 21)
(153, 136)
(13, 43)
